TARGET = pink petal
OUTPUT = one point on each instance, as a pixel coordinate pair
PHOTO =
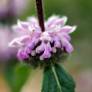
(22, 24)
(48, 46)
(68, 29)
(22, 54)
(21, 28)
(65, 35)
(56, 20)
(20, 41)
(69, 48)
(47, 51)
(57, 42)
(45, 55)
(33, 22)
(40, 48)
(67, 45)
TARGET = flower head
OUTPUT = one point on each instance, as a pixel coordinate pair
(33, 43)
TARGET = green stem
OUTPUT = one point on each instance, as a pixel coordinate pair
(56, 77)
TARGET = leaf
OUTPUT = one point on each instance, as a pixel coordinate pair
(57, 81)
(17, 76)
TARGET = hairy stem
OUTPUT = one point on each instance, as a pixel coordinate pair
(39, 6)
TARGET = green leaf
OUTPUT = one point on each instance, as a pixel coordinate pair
(56, 79)
(17, 76)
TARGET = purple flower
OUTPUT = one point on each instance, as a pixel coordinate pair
(6, 35)
(34, 42)
(22, 54)
(17, 6)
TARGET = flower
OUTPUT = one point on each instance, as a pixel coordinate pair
(5, 52)
(17, 6)
(33, 43)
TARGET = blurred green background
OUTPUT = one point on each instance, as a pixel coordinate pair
(79, 12)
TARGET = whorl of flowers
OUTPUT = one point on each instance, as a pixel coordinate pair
(42, 45)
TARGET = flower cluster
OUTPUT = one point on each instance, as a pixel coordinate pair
(35, 43)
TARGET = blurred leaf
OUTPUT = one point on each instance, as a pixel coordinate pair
(17, 76)
(65, 82)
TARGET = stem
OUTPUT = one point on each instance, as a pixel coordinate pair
(40, 15)
(56, 77)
